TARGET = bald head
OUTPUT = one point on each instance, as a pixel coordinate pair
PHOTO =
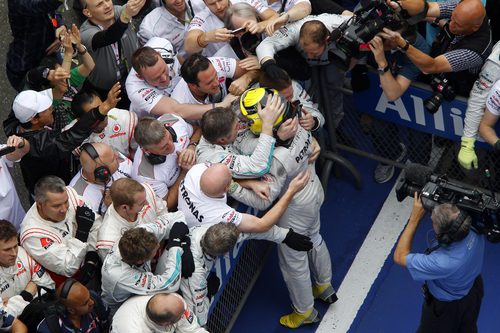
(165, 309)
(107, 157)
(467, 17)
(77, 300)
(214, 181)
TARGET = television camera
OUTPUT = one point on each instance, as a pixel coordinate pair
(434, 190)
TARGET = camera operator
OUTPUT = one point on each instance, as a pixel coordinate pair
(490, 73)
(450, 269)
(462, 46)
(396, 73)
(311, 36)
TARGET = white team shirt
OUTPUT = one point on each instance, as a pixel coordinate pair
(53, 244)
(276, 6)
(143, 96)
(14, 279)
(161, 176)
(93, 193)
(119, 133)
(131, 317)
(493, 99)
(225, 68)
(10, 205)
(200, 209)
(114, 225)
(161, 23)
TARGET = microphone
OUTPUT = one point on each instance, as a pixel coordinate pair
(6, 150)
(418, 173)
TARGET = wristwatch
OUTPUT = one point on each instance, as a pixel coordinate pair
(84, 50)
(381, 71)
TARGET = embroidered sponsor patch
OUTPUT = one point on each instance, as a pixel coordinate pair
(46, 242)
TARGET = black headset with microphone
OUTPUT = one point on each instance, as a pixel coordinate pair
(101, 172)
(155, 159)
(453, 232)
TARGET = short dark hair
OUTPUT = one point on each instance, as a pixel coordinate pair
(144, 57)
(80, 99)
(278, 84)
(220, 238)
(136, 245)
(7, 230)
(314, 31)
(217, 123)
(52, 184)
(194, 64)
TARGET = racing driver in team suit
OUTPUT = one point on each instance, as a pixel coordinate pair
(302, 215)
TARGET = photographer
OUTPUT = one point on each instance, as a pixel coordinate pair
(462, 46)
(450, 269)
(396, 73)
(311, 36)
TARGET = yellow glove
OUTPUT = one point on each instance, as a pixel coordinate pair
(467, 156)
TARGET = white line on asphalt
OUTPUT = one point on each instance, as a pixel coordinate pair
(367, 265)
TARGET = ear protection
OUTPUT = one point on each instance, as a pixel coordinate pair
(101, 172)
(155, 159)
(166, 55)
(66, 288)
(453, 233)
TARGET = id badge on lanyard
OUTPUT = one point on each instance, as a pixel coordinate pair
(121, 63)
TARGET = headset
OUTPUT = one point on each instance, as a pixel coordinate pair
(155, 159)
(101, 172)
(166, 55)
(66, 288)
(453, 233)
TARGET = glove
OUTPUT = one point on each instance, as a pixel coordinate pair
(177, 234)
(213, 284)
(89, 268)
(85, 218)
(359, 78)
(297, 241)
(187, 258)
(274, 71)
(467, 156)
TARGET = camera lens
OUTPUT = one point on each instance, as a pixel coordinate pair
(433, 103)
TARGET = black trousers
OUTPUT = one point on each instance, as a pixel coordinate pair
(458, 316)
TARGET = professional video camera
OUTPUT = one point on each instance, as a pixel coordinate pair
(434, 190)
(443, 89)
(370, 19)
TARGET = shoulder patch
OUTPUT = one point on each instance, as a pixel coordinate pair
(46, 242)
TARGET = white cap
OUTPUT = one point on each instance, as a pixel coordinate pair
(163, 46)
(29, 103)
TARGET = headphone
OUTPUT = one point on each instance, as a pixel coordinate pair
(155, 159)
(453, 233)
(166, 55)
(101, 172)
(66, 287)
